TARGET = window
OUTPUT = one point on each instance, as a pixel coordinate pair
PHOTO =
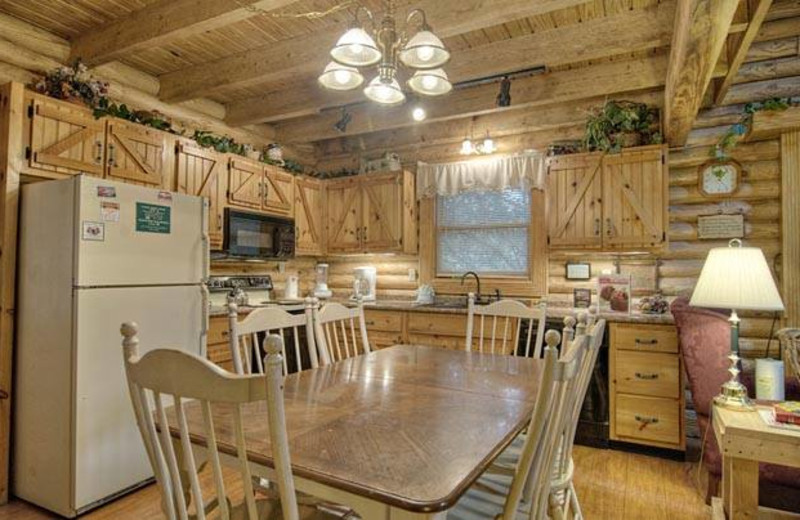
(486, 232)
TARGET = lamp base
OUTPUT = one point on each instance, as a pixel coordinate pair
(733, 396)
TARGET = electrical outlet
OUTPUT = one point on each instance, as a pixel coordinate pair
(281, 267)
(412, 275)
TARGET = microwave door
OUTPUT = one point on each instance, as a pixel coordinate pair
(249, 236)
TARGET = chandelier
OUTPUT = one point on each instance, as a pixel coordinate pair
(382, 46)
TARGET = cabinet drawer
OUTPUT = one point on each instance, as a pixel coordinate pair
(436, 340)
(647, 373)
(217, 330)
(653, 338)
(219, 353)
(379, 339)
(388, 321)
(439, 324)
(654, 419)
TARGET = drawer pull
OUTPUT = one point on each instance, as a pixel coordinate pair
(645, 421)
(640, 341)
(224, 333)
(369, 323)
(639, 375)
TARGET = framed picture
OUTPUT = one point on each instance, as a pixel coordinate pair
(579, 270)
(719, 178)
(614, 294)
(582, 298)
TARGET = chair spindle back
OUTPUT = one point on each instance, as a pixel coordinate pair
(483, 321)
(340, 332)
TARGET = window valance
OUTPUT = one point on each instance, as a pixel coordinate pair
(490, 174)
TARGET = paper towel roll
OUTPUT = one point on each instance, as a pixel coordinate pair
(769, 380)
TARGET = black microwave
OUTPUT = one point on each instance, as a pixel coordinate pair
(253, 235)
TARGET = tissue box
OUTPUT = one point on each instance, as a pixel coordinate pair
(788, 412)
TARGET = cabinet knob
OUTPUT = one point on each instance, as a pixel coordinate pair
(646, 377)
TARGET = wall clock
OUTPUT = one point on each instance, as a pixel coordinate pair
(719, 178)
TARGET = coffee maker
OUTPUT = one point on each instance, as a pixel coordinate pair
(364, 280)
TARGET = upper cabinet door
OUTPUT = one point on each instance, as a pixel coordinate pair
(201, 172)
(308, 213)
(344, 216)
(63, 139)
(635, 192)
(136, 154)
(575, 201)
(278, 191)
(382, 213)
(245, 183)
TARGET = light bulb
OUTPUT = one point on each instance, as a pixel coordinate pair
(418, 114)
(425, 53)
(466, 147)
(357, 48)
(488, 145)
(383, 92)
(341, 76)
(430, 82)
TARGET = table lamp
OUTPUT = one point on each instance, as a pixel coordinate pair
(736, 278)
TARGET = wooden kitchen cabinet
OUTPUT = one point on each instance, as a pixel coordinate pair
(138, 155)
(245, 183)
(201, 172)
(608, 201)
(309, 198)
(218, 348)
(646, 385)
(373, 213)
(278, 196)
(62, 138)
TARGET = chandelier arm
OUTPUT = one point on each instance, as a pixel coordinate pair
(364, 9)
(423, 26)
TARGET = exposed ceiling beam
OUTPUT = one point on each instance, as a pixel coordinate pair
(544, 89)
(292, 59)
(499, 124)
(162, 22)
(595, 39)
(738, 45)
(700, 31)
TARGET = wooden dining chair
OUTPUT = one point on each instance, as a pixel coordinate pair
(244, 343)
(499, 496)
(165, 378)
(510, 315)
(340, 332)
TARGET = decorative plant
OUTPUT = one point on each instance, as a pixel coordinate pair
(151, 118)
(73, 84)
(222, 144)
(729, 139)
(618, 124)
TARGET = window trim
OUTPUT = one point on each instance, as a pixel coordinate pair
(534, 284)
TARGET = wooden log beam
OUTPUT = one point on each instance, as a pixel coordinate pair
(161, 23)
(595, 39)
(739, 45)
(545, 89)
(307, 55)
(700, 31)
(769, 69)
(746, 92)
(772, 124)
(498, 124)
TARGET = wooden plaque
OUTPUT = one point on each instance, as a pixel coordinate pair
(720, 226)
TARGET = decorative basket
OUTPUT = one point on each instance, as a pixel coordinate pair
(790, 342)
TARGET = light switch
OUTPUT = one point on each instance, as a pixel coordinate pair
(412, 275)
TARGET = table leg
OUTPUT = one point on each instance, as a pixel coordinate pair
(740, 488)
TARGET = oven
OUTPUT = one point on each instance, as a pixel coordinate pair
(252, 235)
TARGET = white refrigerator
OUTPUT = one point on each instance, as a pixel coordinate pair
(93, 254)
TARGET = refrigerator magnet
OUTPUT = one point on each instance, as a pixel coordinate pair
(165, 196)
(108, 192)
(93, 231)
(109, 211)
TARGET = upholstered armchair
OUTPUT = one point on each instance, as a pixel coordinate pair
(705, 342)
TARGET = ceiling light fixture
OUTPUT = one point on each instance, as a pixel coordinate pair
(487, 147)
(418, 114)
(384, 46)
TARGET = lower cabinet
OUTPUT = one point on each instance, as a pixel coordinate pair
(218, 346)
(646, 385)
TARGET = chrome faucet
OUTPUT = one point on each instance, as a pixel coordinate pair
(477, 280)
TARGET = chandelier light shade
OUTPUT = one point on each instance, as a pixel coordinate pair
(430, 82)
(466, 147)
(340, 77)
(424, 51)
(385, 92)
(356, 48)
(379, 42)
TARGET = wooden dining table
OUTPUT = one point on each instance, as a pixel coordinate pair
(400, 433)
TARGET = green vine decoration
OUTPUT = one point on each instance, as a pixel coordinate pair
(729, 140)
(620, 124)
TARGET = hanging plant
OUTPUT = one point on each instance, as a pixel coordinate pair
(73, 84)
(621, 124)
(723, 147)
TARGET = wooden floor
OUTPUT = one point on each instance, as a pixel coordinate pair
(612, 485)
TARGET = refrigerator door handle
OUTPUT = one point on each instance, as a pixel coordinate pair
(204, 330)
(206, 242)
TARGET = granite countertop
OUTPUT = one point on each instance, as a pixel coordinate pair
(555, 310)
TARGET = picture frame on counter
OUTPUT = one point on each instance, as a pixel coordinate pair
(578, 270)
(581, 298)
(614, 294)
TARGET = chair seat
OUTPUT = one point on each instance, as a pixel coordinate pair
(270, 509)
(485, 499)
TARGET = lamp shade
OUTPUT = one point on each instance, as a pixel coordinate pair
(736, 278)
(384, 92)
(430, 82)
(340, 77)
(424, 51)
(356, 48)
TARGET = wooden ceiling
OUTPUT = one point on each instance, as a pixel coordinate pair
(261, 62)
